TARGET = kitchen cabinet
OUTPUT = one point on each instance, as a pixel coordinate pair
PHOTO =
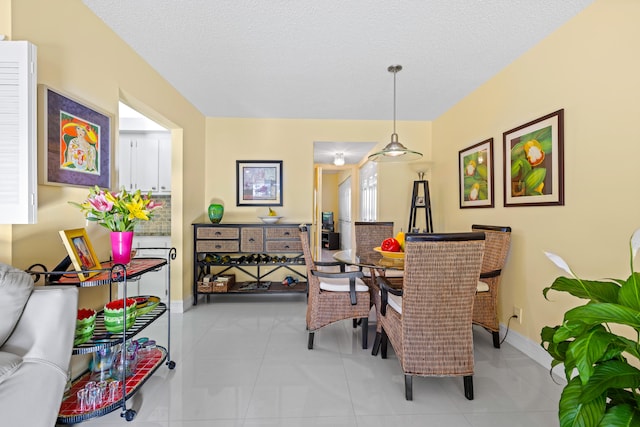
(145, 161)
(153, 282)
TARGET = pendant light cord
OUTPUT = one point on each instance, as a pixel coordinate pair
(394, 69)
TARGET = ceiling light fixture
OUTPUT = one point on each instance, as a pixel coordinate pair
(394, 151)
(339, 159)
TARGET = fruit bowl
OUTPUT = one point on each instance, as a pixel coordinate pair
(146, 303)
(387, 254)
(270, 219)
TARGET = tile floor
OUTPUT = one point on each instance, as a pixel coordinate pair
(243, 361)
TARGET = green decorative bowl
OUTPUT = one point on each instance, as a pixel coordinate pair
(86, 317)
(113, 315)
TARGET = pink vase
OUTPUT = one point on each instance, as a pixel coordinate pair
(121, 246)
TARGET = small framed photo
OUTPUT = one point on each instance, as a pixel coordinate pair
(420, 201)
(77, 142)
(534, 162)
(259, 183)
(81, 252)
(476, 175)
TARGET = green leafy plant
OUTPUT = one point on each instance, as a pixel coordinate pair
(600, 366)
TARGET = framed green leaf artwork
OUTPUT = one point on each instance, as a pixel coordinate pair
(476, 175)
(534, 163)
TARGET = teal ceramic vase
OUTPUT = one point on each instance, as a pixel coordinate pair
(215, 212)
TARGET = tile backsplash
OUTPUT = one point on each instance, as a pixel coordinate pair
(160, 225)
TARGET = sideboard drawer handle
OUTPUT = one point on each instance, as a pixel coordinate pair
(286, 246)
(218, 246)
(286, 233)
(252, 239)
(217, 233)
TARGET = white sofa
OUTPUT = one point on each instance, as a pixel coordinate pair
(37, 325)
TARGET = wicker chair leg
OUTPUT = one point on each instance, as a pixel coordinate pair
(383, 344)
(310, 343)
(468, 387)
(365, 332)
(408, 387)
(376, 344)
(496, 339)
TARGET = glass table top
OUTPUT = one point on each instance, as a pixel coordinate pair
(369, 260)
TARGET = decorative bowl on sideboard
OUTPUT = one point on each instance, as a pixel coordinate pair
(270, 219)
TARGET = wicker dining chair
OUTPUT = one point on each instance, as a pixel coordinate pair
(333, 296)
(429, 321)
(368, 236)
(496, 249)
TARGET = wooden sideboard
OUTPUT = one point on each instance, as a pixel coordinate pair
(260, 251)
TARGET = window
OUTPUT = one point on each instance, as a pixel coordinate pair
(368, 192)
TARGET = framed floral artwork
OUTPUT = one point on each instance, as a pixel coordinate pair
(534, 162)
(77, 142)
(259, 183)
(81, 252)
(476, 175)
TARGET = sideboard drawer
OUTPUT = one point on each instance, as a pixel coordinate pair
(252, 239)
(217, 233)
(220, 246)
(284, 246)
(283, 233)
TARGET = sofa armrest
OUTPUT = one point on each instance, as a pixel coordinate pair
(46, 329)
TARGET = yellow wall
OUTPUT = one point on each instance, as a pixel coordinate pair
(80, 56)
(291, 141)
(330, 194)
(589, 67)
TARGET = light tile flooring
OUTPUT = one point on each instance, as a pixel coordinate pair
(243, 361)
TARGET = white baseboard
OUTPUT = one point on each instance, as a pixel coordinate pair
(181, 306)
(530, 348)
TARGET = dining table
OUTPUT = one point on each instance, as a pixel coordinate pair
(375, 261)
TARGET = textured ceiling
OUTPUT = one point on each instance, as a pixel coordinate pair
(328, 59)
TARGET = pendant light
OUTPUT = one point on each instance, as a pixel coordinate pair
(395, 151)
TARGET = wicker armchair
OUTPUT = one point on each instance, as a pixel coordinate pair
(333, 296)
(429, 321)
(485, 307)
(368, 236)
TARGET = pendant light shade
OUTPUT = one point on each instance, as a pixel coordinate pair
(339, 159)
(395, 151)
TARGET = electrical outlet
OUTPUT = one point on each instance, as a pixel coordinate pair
(517, 311)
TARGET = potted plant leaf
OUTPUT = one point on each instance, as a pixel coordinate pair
(601, 367)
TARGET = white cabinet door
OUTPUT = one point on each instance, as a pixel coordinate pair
(164, 165)
(145, 162)
(154, 282)
(124, 164)
(145, 159)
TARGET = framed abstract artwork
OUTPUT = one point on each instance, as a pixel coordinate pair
(80, 252)
(475, 175)
(77, 142)
(534, 162)
(259, 183)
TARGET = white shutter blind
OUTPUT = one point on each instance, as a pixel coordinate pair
(18, 137)
(368, 192)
